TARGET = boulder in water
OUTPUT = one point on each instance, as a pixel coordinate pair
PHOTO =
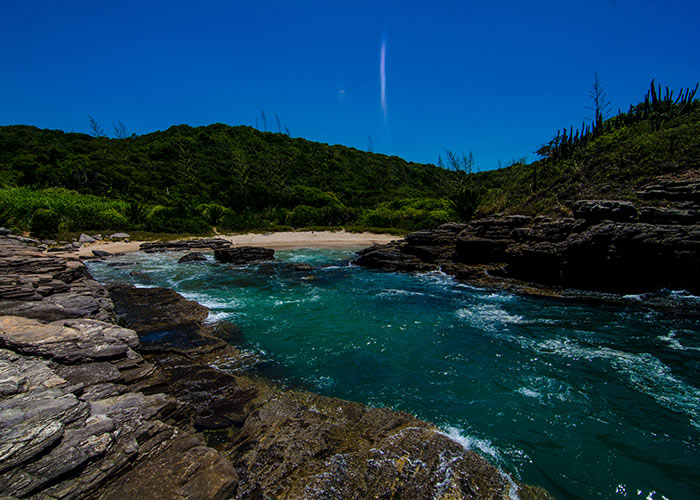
(192, 257)
(244, 255)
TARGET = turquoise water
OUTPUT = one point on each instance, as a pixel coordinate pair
(587, 401)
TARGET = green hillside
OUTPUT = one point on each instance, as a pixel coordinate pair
(660, 136)
(189, 179)
(254, 178)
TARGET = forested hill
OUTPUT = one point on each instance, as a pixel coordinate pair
(237, 167)
(189, 179)
(658, 138)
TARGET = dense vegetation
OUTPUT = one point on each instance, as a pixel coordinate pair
(611, 158)
(189, 179)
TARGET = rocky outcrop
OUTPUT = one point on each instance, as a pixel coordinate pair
(47, 287)
(244, 255)
(184, 245)
(192, 257)
(119, 236)
(71, 427)
(609, 246)
(161, 407)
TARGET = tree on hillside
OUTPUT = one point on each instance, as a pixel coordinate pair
(600, 104)
(279, 124)
(95, 129)
(466, 196)
(264, 119)
(120, 130)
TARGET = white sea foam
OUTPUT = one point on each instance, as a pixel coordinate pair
(485, 447)
(643, 372)
(488, 316)
(211, 302)
(392, 292)
(215, 317)
(470, 442)
(529, 393)
(674, 343)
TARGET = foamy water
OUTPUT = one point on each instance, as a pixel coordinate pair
(587, 401)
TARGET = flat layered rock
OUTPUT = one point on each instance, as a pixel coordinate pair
(47, 287)
(69, 341)
(181, 245)
(610, 247)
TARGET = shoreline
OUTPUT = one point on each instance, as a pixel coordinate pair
(146, 397)
(278, 241)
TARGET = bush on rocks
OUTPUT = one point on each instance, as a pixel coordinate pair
(44, 224)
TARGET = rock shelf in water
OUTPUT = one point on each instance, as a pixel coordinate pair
(608, 246)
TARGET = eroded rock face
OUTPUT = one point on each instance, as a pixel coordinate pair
(610, 247)
(70, 425)
(180, 245)
(244, 255)
(47, 287)
(192, 257)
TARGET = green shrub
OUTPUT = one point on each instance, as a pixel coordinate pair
(465, 203)
(160, 224)
(7, 215)
(311, 196)
(135, 213)
(110, 218)
(212, 213)
(304, 215)
(44, 224)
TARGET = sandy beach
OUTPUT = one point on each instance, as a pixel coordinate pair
(278, 241)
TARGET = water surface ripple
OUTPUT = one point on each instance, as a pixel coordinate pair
(587, 401)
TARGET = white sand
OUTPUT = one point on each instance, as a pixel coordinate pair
(283, 240)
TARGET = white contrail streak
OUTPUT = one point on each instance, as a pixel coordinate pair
(382, 76)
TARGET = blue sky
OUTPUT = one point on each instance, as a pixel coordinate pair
(496, 78)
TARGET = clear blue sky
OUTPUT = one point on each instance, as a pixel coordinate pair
(495, 77)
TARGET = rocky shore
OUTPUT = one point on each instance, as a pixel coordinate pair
(163, 407)
(607, 246)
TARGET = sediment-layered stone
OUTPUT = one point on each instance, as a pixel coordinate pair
(611, 247)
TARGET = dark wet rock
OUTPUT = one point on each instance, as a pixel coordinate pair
(4, 231)
(471, 250)
(591, 252)
(244, 255)
(676, 191)
(303, 266)
(192, 257)
(101, 253)
(391, 258)
(164, 320)
(656, 215)
(598, 210)
(149, 310)
(184, 245)
(119, 264)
